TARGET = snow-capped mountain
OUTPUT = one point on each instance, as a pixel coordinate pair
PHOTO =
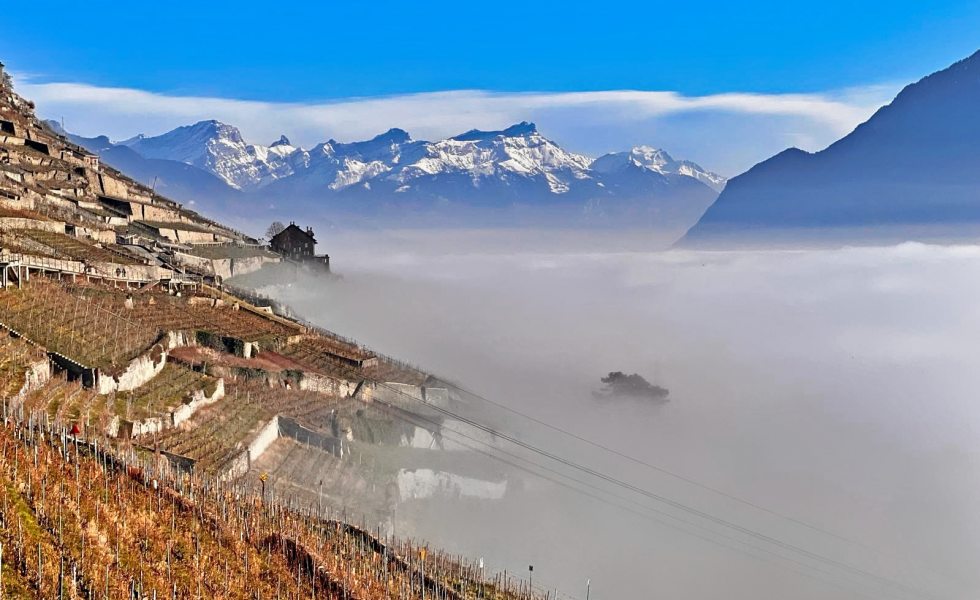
(658, 160)
(219, 149)
(395, 159)
(515, 171)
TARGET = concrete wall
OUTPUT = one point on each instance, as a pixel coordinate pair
(139, 371)
(291, 429)
(241, 463)
(426, 483)
(412, 398)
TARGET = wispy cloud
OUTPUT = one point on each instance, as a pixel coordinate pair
(591, 122)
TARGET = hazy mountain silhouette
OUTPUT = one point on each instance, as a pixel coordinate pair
(913, 163)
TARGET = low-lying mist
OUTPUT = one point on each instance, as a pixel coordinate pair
(834, 387)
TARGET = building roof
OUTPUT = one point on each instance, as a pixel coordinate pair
(292, 227)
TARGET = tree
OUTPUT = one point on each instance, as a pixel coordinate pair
(275, 229)
(8, 82)
(619, 384)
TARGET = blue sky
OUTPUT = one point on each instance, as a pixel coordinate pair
(293, 54)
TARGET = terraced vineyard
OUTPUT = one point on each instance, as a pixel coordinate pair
(82, 524)
(174, 386)
(87, 332)
(338, 358)
(66, 246)
(218, 432)
(162, 312)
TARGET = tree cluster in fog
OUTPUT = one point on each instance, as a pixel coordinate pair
(620, 385)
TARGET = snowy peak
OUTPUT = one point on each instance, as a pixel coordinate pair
(393, 136)
(221, 150)
(657, 160)
(518, 154)
(522, 129)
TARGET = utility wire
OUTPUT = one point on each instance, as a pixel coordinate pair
(659, 498)
(396, 410)
(695, 483)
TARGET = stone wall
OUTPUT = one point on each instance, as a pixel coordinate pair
(411, 398)
(38, 373)
(160, 214)
(192, 261)
(139, 371)
(312, 382)
(186, 237)
(103, 236)
(112, 187)
(133, 272)
(8, 223)
(198, 400)
(243, 462)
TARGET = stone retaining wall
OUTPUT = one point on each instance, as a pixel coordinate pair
(139, 371)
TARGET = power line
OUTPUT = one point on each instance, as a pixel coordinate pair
(642, 506)
(695, 483)
(663, 499)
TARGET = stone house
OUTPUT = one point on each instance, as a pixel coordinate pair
(292, 242)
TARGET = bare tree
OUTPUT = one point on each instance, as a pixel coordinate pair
(275, 229)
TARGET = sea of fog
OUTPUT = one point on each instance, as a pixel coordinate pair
(834, 393)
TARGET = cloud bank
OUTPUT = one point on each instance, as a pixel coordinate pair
(727, 132)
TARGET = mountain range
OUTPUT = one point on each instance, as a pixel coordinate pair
(513, 175)
(911, 168)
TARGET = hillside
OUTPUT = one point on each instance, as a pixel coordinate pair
(515, 175)
(167, 434)
(83, 523)
(910, 166)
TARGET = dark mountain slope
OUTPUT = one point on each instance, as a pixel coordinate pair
(913, 163)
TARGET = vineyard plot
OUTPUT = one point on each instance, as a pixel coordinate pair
(74, 248)
(83, 330)
(175, 385)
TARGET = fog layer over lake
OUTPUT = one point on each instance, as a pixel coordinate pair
(838, 388)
